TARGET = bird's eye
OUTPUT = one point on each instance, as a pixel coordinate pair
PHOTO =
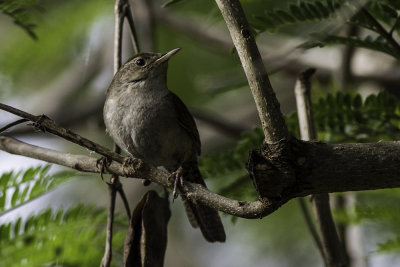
(140, 62)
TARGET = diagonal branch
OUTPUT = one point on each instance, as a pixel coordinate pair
(46, 124)
(268, 108)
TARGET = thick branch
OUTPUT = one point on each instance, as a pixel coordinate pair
(268, 108)
(324, 168)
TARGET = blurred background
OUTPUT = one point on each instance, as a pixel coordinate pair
(62, 67)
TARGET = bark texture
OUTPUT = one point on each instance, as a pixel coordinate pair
(304, 168)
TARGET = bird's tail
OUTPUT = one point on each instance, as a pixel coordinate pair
(206, 218)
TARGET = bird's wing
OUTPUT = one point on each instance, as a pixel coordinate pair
(185, 120)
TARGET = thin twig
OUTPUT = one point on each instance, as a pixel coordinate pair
(345, 70)
(12, 124)
(46, 124)
(124, 200)
(394, 25)
(144, 14)
(122, 10)
(119, 23)
(273, 123)
(310, 225)
(332, 252)
(128, 14)
(106, 261)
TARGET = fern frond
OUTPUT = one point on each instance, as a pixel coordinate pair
(378, 44)
(302, 12)
(21, 12)
(20, 187)
(67, 238)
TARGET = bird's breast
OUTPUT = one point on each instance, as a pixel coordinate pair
(147, 127)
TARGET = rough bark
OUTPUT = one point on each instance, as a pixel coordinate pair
(316, 167)
(268, 106)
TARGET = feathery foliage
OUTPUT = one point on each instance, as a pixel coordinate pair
(74, 237)
(21, 11)
(21, 187)
(331, 15)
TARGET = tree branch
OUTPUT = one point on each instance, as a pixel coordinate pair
(12, 124)
(310, 225)
(245, 209)
(122, 10)
(268, 108)
(333, 251)
(360, 167)
(106, 261)
(46, 124)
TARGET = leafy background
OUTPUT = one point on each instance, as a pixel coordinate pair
(56, 58)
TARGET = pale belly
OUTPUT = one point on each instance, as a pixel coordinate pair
(149, 132)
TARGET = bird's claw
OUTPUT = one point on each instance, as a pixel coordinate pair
(102, 164)
(178, 182)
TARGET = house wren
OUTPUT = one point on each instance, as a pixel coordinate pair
(151, 123)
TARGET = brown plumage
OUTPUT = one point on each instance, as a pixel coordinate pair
(150, 122)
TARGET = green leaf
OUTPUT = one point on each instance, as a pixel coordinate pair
(14, 198)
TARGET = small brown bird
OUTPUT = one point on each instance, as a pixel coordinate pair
(151, 123)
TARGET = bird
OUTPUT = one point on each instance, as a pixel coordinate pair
(149, 122)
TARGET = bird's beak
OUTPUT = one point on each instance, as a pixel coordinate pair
(164, 57)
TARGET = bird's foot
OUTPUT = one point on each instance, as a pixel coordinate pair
(102, 164)
(176, 176)
(134, 167)
(128, 165)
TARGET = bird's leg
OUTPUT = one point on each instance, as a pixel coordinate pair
(177, 177)
(102, 164)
